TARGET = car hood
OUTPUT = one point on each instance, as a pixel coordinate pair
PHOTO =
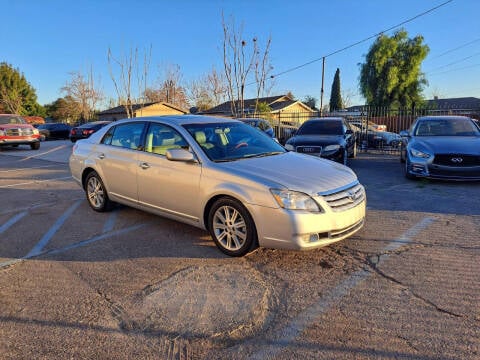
(294, 171)
(316, 140)
(450, 144)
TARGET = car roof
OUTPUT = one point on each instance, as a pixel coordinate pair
(181, 119)
(444, 117)
(327, 118)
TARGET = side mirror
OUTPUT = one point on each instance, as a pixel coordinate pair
(348, 132)
(180, 155)
(404, 133)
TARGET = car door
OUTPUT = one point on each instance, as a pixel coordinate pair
(118, 160)
(168, 187)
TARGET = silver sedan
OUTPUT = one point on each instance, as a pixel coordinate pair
(223, 176)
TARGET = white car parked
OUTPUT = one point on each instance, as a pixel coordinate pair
(223, 176)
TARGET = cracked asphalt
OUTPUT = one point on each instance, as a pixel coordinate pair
(130, 285)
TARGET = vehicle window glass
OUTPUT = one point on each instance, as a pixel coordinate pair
(161, 138)
(232, 141)
(263, 125)
(107, 138)
(321, 127)
(125, 135)
(12, 120)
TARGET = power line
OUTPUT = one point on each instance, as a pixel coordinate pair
(362, 41)
(455, 62)
(451, 70)
(454, 49)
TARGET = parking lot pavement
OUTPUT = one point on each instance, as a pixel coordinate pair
(55, 150)
(127, 284)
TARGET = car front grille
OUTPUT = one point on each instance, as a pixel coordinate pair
(456, 160)
(19, 132)
(346, 198)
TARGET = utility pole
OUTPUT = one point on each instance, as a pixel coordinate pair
(321, 91)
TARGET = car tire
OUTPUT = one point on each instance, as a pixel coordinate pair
(402, 159)
(96, 193)
(231, 227)
(345, 157)
(35, 145)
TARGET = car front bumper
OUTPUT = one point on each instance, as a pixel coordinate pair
(302, 230)
(426, 169)
(24, 140)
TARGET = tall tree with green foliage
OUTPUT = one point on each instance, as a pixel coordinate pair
(336, 102)
(391, 75)
(17, 96)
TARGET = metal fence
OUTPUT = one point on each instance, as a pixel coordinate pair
(377, 129)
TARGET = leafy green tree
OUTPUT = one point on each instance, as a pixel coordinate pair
(64, 110)
(311, 102)
(391, 73)
(17, 96)
(336, 102)
(265, 111)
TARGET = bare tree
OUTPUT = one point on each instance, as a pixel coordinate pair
(238, 62)
(347, 97)
(262, 68)
(129, 72)
(207, 91)
(170, 88)
(81, 89)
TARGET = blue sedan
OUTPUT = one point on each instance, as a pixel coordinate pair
(442, 147)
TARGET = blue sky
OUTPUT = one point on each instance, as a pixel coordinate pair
(47, 40)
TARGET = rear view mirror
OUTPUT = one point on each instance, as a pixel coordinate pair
(180, 155)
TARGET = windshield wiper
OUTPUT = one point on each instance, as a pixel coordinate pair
(263, 154)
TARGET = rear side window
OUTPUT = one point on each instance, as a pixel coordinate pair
(161, 138)
(127, 136)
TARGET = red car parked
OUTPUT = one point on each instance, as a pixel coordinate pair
(14, 131)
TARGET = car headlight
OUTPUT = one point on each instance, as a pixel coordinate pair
(35, 131)
(289, 147)
(418, 153)
(2, 133)
(294, 200)
(331, 147)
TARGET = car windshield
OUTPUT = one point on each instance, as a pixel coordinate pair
(321, 127)
(232, 141)
(446, 127)
(12, 119)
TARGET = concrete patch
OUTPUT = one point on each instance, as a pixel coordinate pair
(205, 301)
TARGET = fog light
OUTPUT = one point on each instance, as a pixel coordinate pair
(310, 238)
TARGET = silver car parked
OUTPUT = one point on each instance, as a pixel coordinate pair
(223, 176)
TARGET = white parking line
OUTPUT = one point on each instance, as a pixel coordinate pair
(29, 168)
(49, 234)
(286, 336)
(34, 182)
(44, 153)
(12, 221)
(92, 240)
(110, 223)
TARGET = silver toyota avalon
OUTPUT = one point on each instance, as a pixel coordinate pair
(223, 176)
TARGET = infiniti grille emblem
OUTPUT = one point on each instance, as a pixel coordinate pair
(456, 160)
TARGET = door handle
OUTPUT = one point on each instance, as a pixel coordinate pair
(101, 156)
(144, 165)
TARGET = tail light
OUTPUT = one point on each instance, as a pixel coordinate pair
(88, 132)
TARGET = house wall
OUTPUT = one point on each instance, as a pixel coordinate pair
(157, 110)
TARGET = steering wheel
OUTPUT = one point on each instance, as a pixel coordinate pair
(240, 144)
